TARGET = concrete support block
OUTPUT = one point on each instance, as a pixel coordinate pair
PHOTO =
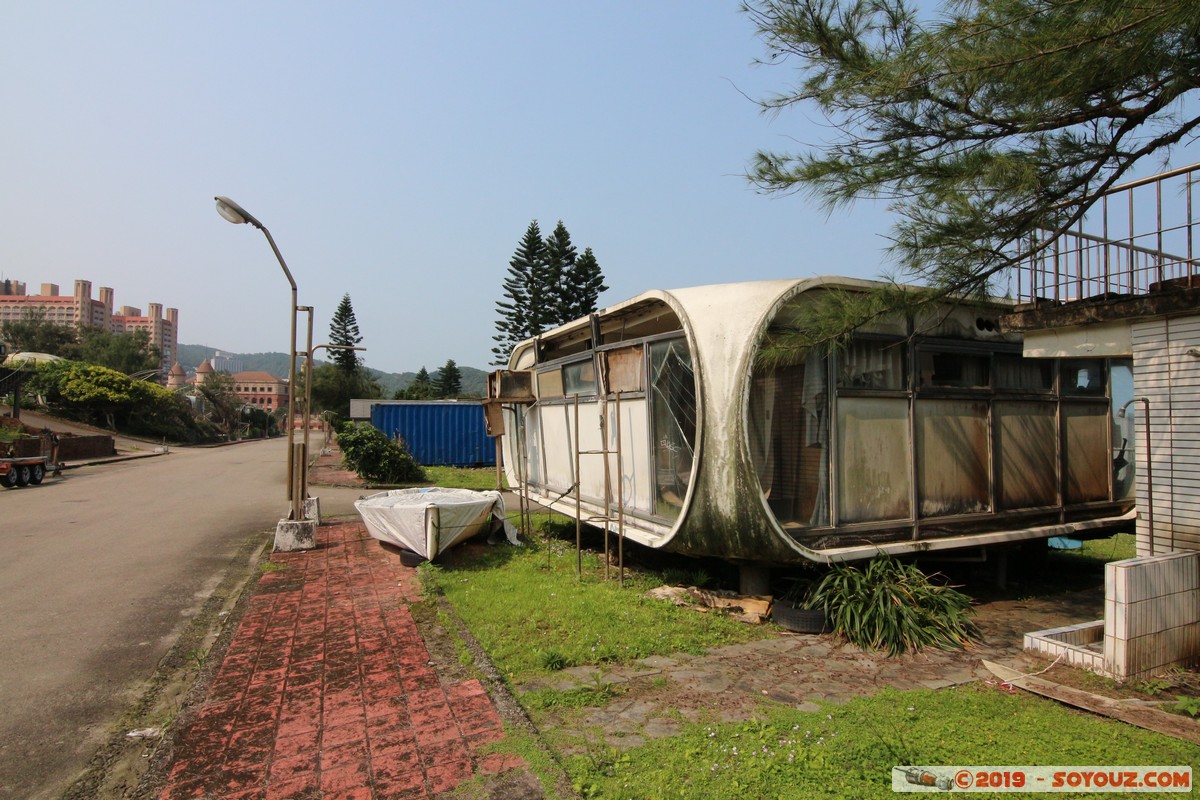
(312, 509)
(754, 580)
(293, 535)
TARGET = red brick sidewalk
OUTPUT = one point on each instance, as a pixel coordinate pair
(327, 691)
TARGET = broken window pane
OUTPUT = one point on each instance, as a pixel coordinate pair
(1124, 443)
(673, 399)
(1083, 376)
(953, 370)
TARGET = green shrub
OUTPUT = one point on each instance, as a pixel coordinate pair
(104, 396)
(375, 457)
(894, 607)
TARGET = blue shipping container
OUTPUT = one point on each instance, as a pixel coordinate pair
(438, 434)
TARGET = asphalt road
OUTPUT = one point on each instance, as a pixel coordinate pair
(100, 571)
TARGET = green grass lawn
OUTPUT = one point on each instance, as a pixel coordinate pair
(476, 478)
(1114, 548)
(848, 751)
(534, 615)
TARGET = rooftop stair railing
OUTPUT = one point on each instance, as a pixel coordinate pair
(1136, 239)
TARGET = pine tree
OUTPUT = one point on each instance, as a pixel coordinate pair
(560, 262)
(448, 383)
(548, 285)
(982, 122)
(586, 282)
(343, 331)
(523, 294)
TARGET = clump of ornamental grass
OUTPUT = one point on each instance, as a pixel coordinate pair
(893, 606)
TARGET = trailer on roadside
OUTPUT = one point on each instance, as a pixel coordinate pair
(26, 471)
(23, 464)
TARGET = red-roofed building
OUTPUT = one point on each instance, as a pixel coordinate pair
(261, 390)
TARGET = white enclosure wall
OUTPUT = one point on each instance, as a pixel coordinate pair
(1168, 376)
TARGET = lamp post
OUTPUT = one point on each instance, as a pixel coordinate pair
(234, 213)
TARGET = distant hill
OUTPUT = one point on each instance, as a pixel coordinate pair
(474, 381)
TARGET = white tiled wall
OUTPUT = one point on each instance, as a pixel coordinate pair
(1152, 614)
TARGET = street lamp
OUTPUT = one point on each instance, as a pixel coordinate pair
(239, 216)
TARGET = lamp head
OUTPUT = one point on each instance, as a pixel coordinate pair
(235, 213)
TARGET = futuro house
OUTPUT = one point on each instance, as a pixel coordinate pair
(661, 414)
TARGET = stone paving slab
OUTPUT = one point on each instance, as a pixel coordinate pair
(327, 690)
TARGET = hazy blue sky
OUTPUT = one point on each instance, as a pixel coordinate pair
(397, 151)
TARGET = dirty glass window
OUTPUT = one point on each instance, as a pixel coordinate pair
(952, 457)
(789, 440)
(579, 378)
(1087, 457)
(871, 364)
(953, 370)
(550, 384)
(874, 481)
(1014, 373)
(673, 422)
(1026, 454)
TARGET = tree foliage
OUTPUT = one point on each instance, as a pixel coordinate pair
(221, 405)
(343, 332)
(548, 284)
(586, 282)
(33, 333)
(995, 120)
(106, 397)
(522, 294)
(560, 257)
(421, 388)
(333, 388)
(125, 352)
(448, 383)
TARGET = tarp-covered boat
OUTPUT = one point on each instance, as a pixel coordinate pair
(428, 521)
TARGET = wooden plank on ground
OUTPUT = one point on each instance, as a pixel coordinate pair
(1148, 717)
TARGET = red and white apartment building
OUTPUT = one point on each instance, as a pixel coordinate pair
(80, 309)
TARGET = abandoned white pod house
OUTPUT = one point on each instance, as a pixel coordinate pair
(923, 434)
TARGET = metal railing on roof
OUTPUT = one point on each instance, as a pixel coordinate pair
(1137, 238)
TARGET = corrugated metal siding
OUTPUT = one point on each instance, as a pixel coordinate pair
(439, 434)
(1169, 378)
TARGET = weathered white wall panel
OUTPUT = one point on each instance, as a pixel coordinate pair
(1168, 377)
(635, 457)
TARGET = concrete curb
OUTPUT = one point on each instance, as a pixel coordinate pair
(109, 460)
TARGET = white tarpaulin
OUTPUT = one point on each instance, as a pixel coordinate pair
(428, 521)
